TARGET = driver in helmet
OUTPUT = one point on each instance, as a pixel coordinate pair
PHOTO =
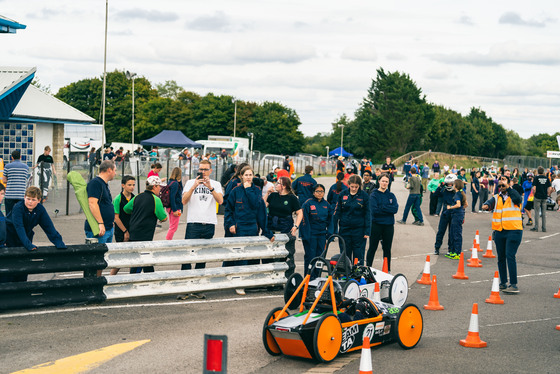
(445, 217)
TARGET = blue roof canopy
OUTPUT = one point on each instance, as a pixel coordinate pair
(172, 139)
(336, 152)
(8, 26)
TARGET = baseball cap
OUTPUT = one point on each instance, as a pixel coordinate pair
(274, 168)
(154, 180)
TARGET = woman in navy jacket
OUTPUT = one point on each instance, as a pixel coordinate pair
(353, 218)
(317, 224)
(383, 206)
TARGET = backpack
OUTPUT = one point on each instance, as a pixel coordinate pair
(164, 195)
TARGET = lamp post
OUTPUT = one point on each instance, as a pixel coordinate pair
(103, 93)
(251, 135)
(341, 137)
(327, 147)
(132, 76)
(234, 117)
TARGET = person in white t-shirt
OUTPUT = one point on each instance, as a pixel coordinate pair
(200, 196)
(267, 186)
(556, 185)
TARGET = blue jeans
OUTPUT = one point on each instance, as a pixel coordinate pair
(413, 199)
(198, 231)
(107, 238)
(507, 242)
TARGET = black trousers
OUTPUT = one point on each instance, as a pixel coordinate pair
(433, 203)
(385, 234)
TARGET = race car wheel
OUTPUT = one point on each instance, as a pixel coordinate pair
(268, 340)
(351, 290)
(327, 338)
(291, 286)
(398, 290)
(409, 326)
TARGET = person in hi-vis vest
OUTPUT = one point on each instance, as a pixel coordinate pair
(508, 231)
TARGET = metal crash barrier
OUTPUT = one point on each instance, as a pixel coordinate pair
(92, 257)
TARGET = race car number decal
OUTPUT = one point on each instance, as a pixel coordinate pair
(348, 337)
(364, 293)
(369, 331)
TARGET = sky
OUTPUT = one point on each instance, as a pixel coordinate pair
(317, 57)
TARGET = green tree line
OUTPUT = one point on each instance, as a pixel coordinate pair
(169, 107)
(394, 118)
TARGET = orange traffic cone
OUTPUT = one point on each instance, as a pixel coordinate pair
(477, 241)
(474, 261)
(433, 303)
(489, 253)
(365, 360)
(376, 292)
(557, 327)
(426, 274)
(495, 293)
(557, 294)
(460, 269)
(473, 338)
(385, 268)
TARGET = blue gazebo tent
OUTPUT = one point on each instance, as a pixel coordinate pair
(337, 152)
(172, 139)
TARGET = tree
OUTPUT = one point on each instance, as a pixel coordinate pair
(392, 119)
(275, 129)
(169, 89)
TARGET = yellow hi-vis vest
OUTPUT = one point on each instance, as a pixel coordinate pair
(506, 215)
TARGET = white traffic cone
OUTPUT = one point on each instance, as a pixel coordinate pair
(365, 360)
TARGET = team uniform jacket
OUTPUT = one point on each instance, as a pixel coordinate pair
(332, 196)
(245, 207)
(317, 219)
(303, 187)
(383, 207)
(352, 211)
(507, 214)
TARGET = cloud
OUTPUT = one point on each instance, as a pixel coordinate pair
(396, 56)
(513, 18)
(505, 53)
(149, 15)
(46, 13)
(465, 20)
(216, 22)
(359, 53)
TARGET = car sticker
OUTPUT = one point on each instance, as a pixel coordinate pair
(348, 337)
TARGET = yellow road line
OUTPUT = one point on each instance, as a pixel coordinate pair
(84, 361)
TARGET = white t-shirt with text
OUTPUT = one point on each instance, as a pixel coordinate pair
(201, 207)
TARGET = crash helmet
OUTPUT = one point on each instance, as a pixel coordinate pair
(449, 181)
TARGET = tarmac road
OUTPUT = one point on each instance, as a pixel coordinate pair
(521, 333)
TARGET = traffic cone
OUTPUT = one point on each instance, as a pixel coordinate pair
(460, 269)
(433, 303)
(495, 294)
(477, 241)
(474, 261)
(385, 268)
(473, 338)
(489, 253)
(557, 327)
(376, 292)
(557, 294)
(426, 274)
(365, 360)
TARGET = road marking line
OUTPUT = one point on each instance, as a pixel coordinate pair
(102, 307)
(83, 361)
(548, 236)
(520, 322)
(490, 280)
(416, 255)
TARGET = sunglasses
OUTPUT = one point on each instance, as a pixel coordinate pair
(203, 169)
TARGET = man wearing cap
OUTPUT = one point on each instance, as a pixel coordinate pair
(340, 165)
(145, 209)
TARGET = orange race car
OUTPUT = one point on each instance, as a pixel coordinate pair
(327, 323)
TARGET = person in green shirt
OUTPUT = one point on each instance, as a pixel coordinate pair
(145, 210)
(432, 187)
